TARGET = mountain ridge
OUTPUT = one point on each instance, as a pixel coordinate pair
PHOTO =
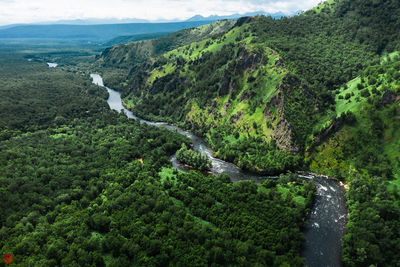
(276, 15)
(166, 72)
(105, 21)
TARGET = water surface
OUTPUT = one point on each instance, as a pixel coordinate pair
(52, 65)
(326, 225)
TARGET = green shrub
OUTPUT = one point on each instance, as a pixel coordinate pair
(193, 158)
(365, 93)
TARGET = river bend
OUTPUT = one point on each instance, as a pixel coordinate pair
(327, 220)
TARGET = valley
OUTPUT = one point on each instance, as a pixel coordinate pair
(272, 96)
(84, 185)
(326, 224)
(201, 154)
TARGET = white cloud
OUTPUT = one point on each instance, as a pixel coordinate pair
(27, 11)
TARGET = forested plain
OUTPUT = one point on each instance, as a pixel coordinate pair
(82, 185)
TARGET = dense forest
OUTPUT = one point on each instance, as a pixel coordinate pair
(193, 158)
(82, 185)
(318, 91)
(372, 236)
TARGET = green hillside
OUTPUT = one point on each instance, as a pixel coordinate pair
(318, 91)
(324, 7)
(117, 62)
(259, 91)
(368, 139)
(220, 87)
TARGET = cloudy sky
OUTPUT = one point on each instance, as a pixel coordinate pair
(27, 11)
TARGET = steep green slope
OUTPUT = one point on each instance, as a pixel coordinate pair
(266, 86)
(261, 91)
(118, 61)
(366, 118)
(127, 55)
(324, 7)
(236, 92)
(317, 85)
(362, 144)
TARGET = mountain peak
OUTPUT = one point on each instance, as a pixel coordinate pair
(236, 16)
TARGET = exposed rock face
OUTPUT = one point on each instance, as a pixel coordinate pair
(244, 60)
(333, 127)
(388, 98)
(283, 132)
(283, 135)
(226, 83)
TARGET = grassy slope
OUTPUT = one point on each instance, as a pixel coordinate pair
(328, 4)
(237, 117)
(331, 157)
(268, 76)
(116, 62)
(240, 114)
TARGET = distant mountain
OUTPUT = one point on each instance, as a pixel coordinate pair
(102, 21)
(10, 26)
(94, 32)
(236, 16)
(96, 21)
(134, 38)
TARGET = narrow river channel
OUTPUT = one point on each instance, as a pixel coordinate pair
(327, 221)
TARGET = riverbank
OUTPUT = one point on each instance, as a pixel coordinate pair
(327, 219)
(344, 184)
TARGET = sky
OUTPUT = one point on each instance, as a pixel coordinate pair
(30, 11)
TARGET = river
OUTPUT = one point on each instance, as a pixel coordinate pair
(51, 65)
(327, 220)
